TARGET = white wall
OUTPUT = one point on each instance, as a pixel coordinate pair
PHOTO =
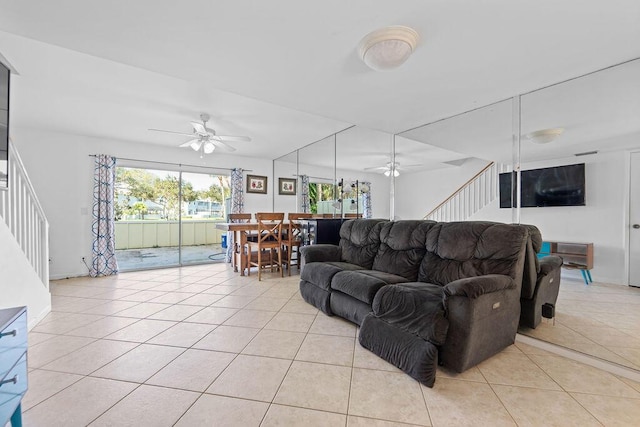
(601, 221)
(417, 193)
(19, 283)
(62, 174)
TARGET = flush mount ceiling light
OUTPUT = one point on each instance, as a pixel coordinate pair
(544, 136)
(388, 47)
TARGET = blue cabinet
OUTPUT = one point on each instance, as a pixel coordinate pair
(13, 364)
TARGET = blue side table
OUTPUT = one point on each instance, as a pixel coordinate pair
(13, 364)
(576, 256)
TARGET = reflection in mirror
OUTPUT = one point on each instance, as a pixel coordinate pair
(286, 168)
(316, 163)
(450, 166)
(363, 158)
(592, 120)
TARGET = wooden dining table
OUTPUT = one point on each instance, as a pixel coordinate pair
(240, 232)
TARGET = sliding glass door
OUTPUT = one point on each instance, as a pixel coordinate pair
(167, 218)
(204, 197)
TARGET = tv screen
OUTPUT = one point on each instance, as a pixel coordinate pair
(555, 186)
(4, 125)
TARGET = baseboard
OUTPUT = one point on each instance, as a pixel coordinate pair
(67, 276)
(34, 321)
(596, 362)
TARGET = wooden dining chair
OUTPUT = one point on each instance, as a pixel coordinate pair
(239, 217)
(293, 239)
(238, 249)
(269, 242)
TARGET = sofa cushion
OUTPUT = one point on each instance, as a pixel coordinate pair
(456, 250)
(320, 273)
(402, 247)
(363, 284)
(360, 240)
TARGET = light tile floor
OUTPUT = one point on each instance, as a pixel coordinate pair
(202, 346)
(598, 319)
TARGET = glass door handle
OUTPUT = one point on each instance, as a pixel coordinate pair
(636, 226)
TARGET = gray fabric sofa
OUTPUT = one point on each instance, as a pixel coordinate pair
(540, 283)
(423, 292)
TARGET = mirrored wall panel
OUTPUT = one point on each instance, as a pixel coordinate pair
(363, 168)
(316, 166)
(580, 145)
(286, 186)
(448, 169)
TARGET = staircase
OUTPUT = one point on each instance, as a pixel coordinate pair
(25, 218)
(476, 193)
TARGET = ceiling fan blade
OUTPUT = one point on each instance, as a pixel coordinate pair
(407, 166)
(199, 128)
(209, 147)
(233, 138)
(170, 131)
(222, 145)
(377, 168)
(188, 143)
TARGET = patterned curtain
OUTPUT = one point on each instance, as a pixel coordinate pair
(237, 204)
(366, 200)
(103, 260)
(304, 194)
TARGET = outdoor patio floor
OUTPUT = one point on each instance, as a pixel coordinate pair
(145, 258)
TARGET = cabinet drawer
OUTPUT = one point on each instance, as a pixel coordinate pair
(11, 392)
(13, 342)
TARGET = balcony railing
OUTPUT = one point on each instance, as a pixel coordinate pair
(162, 233)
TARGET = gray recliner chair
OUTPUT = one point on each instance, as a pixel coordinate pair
(540, 283)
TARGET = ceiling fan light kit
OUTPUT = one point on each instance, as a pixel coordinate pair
(389, 47)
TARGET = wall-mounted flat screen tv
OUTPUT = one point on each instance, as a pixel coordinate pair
(4, 125)
(555, 186)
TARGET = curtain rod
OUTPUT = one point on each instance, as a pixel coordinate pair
(174, 164)
(314, 177)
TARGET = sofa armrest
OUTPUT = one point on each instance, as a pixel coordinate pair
(473, 287)
(320, 253)
(549, 264)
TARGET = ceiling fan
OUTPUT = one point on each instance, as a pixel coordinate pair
(391, 168)
(205, 139)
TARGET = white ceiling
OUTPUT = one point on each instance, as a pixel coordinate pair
(286, 72)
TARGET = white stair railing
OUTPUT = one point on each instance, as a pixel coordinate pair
(21, 210)
(472, 196)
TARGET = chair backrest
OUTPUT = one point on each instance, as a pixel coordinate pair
(270, 226)
(294, 229)
(239, 217)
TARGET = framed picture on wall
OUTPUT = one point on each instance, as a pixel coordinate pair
(256, 184)
(287, 186)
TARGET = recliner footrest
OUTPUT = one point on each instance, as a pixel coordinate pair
(410, 353)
